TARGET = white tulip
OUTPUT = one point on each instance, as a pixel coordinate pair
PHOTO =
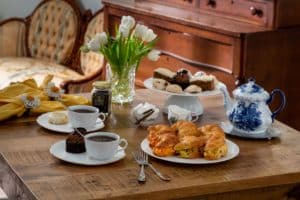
(153, 55)
(97, 42)
(124, 30)
(128, 22)
(149, 35)
(93, 45)
(140, 30)
(102, 38)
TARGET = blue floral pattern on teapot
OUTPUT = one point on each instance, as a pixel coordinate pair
(248, 112)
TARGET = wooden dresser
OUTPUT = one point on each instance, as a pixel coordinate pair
(233, 39)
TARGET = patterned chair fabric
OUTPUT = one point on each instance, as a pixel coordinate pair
(92, 62)
(12, 38)
(53, 31)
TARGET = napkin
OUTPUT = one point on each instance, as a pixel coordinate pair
(144, 113)
(14, 102)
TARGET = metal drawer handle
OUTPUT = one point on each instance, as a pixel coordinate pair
(212, 3)
(256, 11)
(189, 1)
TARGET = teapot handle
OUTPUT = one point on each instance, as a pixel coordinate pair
(283, 102)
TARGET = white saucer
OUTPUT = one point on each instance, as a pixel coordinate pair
(58, 150)
(42, 120)
(269, 134)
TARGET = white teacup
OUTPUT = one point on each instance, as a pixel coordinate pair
(176, 113)
(84, 116)
(103, 145)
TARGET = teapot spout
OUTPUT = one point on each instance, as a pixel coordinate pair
(228, 102)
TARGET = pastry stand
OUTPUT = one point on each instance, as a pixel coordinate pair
(185, 100)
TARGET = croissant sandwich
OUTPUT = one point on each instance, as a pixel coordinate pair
(190, 147)
(186, 140)
(186, 128)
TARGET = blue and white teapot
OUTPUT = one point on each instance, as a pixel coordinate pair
(249, 112)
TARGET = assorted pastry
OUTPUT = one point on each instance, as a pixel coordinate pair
(182, 81)
(58, 118)
(184, 139)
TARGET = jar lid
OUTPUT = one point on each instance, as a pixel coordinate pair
(101, 84)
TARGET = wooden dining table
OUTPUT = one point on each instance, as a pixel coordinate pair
(264, 169)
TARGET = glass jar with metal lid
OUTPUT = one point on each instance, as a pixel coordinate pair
(101, 96)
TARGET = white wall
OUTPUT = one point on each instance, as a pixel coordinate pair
(22, 8)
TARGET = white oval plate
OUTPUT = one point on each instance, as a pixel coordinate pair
(148, 84)
(42, 120)
(233, 151)
(58, 150)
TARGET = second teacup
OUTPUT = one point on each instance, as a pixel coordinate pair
(84, 116)
(104, 145)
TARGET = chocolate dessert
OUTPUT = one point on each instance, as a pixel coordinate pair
(182, 78)
(75, 143)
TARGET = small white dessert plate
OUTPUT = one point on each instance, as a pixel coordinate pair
(43, 121)
(233, 151)
(58, 150)
(269, 134)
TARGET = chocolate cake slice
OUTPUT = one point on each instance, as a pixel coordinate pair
(206, 82)
(164, 73)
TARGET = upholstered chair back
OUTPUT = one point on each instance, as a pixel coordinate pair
(53, 30)
(12, 38)
(92, 62)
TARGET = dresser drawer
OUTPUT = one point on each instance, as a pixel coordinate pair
(179, 3)
(211, 53)
(251, 11)
(195, 48)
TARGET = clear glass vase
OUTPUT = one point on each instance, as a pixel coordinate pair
(122, 83)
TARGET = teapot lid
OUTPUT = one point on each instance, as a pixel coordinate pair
(251, 91)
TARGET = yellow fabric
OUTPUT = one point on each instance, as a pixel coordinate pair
(11, 104)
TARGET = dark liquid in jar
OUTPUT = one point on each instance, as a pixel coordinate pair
(101, 99)
(101, 138)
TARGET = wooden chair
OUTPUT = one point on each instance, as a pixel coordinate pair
(48, 42)
(91, 64)
(12, 37)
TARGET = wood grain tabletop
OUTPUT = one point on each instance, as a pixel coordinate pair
(271, 167)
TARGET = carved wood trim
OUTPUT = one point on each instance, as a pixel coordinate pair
(11, 19)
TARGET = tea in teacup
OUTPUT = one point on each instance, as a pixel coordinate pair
(103, 145)
(84, 116)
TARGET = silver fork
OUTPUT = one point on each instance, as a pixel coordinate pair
(145, 161)
(138, 156)
(158, 173)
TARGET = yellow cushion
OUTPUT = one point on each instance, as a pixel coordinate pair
(14, 69)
